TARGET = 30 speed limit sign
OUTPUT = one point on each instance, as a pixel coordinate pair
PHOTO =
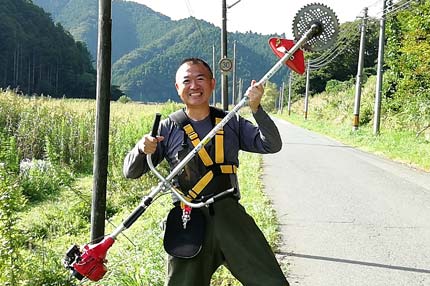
(225, 64)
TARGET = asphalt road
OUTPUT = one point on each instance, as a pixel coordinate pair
(347, 217)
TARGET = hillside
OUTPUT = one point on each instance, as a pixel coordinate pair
(147, 46)
(38, 56)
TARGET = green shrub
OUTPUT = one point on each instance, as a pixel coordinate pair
(124, 99)
(42, 265)
(41, 180)
(9, 153)
(11, 238)
(335, 86)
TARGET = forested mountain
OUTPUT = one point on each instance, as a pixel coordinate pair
(38, 56)
(147, 46)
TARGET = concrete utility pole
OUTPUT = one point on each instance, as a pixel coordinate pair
(225, 63)
(379, 75)
(307, 89)
(290, 82)
(101, 145)
(213, 71)
(282, 97)
(359, 80)
(233, 89)
(240, 87)
(278, 101)
(224, 77)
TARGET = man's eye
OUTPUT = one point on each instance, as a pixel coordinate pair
(186, 82)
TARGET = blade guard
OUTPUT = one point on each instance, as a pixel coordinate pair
(281, 46)
(91, 264)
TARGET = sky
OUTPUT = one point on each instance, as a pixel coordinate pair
(265, 17)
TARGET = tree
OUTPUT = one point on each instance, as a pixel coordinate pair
(40, 57)
(407, 88)
(271, 94)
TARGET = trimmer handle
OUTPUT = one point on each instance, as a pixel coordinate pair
(154, 131)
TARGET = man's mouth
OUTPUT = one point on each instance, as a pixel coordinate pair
(195, 94)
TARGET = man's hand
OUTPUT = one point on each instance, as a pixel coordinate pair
(254, 93)
(148, 144)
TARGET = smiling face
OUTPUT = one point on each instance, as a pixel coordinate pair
(194, 83)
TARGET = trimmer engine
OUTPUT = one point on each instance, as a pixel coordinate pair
(90, 263)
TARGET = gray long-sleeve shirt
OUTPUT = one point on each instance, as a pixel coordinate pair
(239, 134)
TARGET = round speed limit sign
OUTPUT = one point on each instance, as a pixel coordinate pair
(225, 64)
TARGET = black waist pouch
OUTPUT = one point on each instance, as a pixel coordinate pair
(180, 242)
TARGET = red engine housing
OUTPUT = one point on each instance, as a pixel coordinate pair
(92, 262)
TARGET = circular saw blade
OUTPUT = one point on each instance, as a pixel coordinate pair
(325, 18)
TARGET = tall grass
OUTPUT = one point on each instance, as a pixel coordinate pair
(49, 147)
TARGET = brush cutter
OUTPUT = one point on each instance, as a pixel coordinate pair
(315, 28)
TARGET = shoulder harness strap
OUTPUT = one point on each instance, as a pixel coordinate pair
(216, 116)
(182, 121)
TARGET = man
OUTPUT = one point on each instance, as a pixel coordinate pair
(231, 236)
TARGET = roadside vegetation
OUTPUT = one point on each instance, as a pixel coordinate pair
(331, 113)
(404, 132)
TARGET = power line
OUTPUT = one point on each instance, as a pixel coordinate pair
(326, 54)
(333, 53)
(190, 10)
(393, 8)
(196, 23)
(375, 4)
(322, 64)
(399, 8)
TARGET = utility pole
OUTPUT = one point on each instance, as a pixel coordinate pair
(239, 90)
(225, 63)
(233, 97)
(359, 80)
(290, 80)
(278, 102)
(213, 71)
(224, 77)
(307, 89)
(101, 145)
(282, 97)
(379, 74)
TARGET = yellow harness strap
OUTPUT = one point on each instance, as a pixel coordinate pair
(195, 140)
(206, 159)
(219, 144)
(201, 184)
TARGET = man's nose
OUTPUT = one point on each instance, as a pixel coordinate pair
(193, 84)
